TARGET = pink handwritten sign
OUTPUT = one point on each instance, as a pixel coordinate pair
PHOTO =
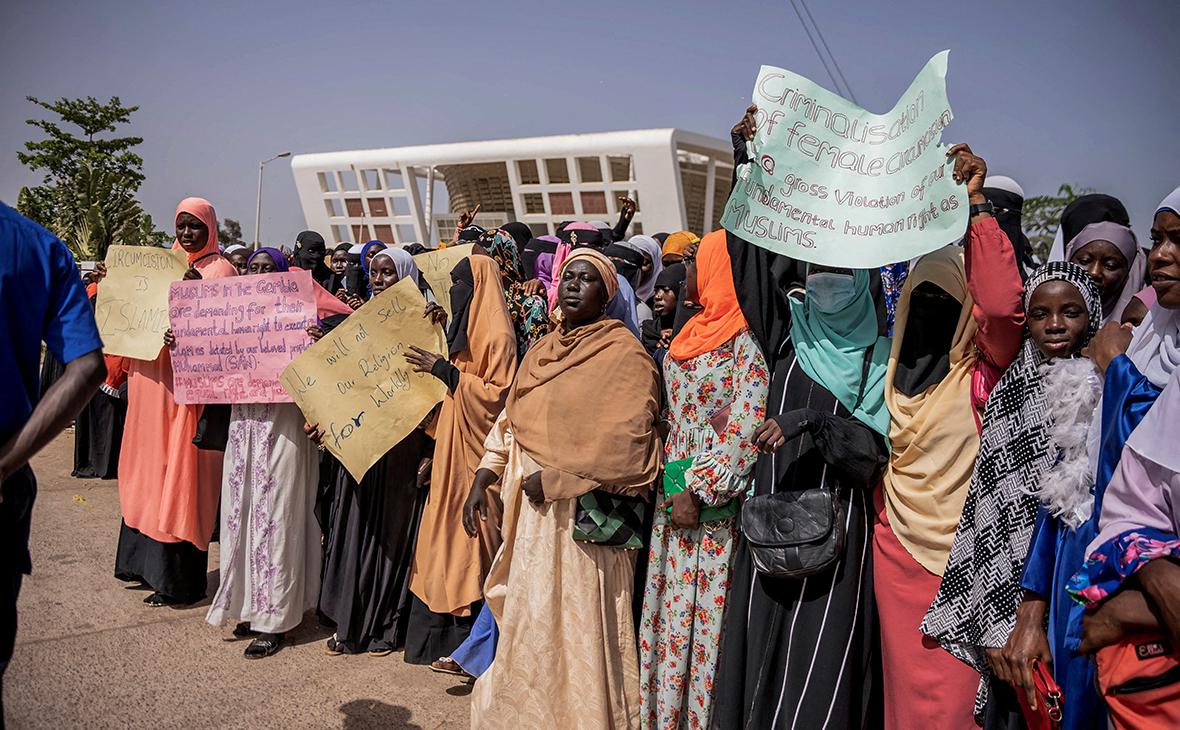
(235, 336)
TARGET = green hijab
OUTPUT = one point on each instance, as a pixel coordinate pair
(831, 346)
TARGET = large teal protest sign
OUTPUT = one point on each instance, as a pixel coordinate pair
(831, 183)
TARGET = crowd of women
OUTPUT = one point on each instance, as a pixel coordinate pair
(688, 483)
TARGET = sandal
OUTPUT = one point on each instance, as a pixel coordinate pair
(333, 646)
(382, 649)
(447, 665)
(156, 600)
(264, 646)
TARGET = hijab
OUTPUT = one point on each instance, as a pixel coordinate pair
(364, 254)
(462, 289)
(649, 248)
(470, 234)
(632, 263)
(675, 243)
(309, 255)
(932, 429)
(403, 264)
(529, 312)
(336, 281)
(1086, 209)
(537, 258)
(720, 318)
(1008, 198)
(580, 233)
(835, 347)
(1123, 238)
(604, 266)
(276, 255)
(209, 258)
(520, 232)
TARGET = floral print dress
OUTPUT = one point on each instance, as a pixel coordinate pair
(715, 402)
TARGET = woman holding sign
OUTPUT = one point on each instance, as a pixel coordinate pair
(168, 488)
(577, 433)
(372, 525)
(449, 566)
(270, 540)
(960, 323)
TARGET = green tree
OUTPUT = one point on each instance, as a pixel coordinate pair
(87, 195)
(62, 152)
(1041, 216)
(229, 232)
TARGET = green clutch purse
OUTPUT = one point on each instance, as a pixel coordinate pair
(674, 483)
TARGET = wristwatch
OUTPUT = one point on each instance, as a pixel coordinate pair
(979, 208)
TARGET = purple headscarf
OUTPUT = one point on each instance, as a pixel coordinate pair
(275, 254)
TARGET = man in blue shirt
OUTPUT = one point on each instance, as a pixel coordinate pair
(41, 300)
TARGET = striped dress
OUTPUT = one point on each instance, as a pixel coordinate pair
(802, 653)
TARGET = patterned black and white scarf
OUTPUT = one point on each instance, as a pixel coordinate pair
(975, 607)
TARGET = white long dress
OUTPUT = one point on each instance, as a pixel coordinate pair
(270, 541)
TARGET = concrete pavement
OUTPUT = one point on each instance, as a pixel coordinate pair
(90, 654)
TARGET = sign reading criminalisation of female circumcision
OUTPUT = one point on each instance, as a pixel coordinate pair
(831, 183)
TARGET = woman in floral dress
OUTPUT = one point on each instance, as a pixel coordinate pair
(716, 383)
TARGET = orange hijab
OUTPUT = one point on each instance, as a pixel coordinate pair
(208, 260)
(720, 317)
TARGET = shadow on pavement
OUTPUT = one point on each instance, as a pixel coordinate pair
(364, 714)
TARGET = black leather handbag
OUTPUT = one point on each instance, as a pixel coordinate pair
(797, 533)
(794, 534)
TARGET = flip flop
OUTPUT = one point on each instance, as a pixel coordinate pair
(332, 646)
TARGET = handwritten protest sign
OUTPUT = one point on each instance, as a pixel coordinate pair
(132, 304)
(435, 267)
(831, 183)
(357, 386)
(235, 335)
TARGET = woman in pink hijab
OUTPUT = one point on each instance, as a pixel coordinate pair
(168, 489)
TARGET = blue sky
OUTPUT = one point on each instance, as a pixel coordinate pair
(1080, 91)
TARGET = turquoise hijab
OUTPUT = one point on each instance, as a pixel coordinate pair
(831, 346)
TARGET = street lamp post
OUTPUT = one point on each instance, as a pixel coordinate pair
(258, 202)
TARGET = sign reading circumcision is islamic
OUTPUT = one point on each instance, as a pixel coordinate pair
(132, 305)
(833, 184)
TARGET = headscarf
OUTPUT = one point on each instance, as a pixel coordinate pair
(975, 607)
(538, 259)
(520, 232)
(675, 243)
(581, 233)
(364, 253)
(650, 249)
(529, 312)
(632, 262)
(337, 281)
(1008, 197)
(932, 432)
(234, 248)
(309, 255)
(276, 255)
(208, 260)
(1123, 238)
(470, 234)
(584, 406)
(720, 318)
(462, 289)
(1086, 209)
(832, 347)
(605, 267)
(403, 263)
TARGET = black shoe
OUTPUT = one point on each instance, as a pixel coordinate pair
(156, 600)
(263, 646)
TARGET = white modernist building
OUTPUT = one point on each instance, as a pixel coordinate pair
(680, 181)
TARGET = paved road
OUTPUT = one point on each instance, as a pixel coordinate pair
(90, 654)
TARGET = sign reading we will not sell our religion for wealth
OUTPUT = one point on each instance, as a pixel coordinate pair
(234, 336)
(356, 385)
(830, 183)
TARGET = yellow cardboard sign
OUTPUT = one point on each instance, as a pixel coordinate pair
(132, 304)
(355, 384)
(435, 267)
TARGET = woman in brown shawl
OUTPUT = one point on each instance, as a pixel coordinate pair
(580, 417)
(450, 567)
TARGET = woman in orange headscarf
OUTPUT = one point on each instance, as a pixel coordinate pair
(716, 382)
(168, 489)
